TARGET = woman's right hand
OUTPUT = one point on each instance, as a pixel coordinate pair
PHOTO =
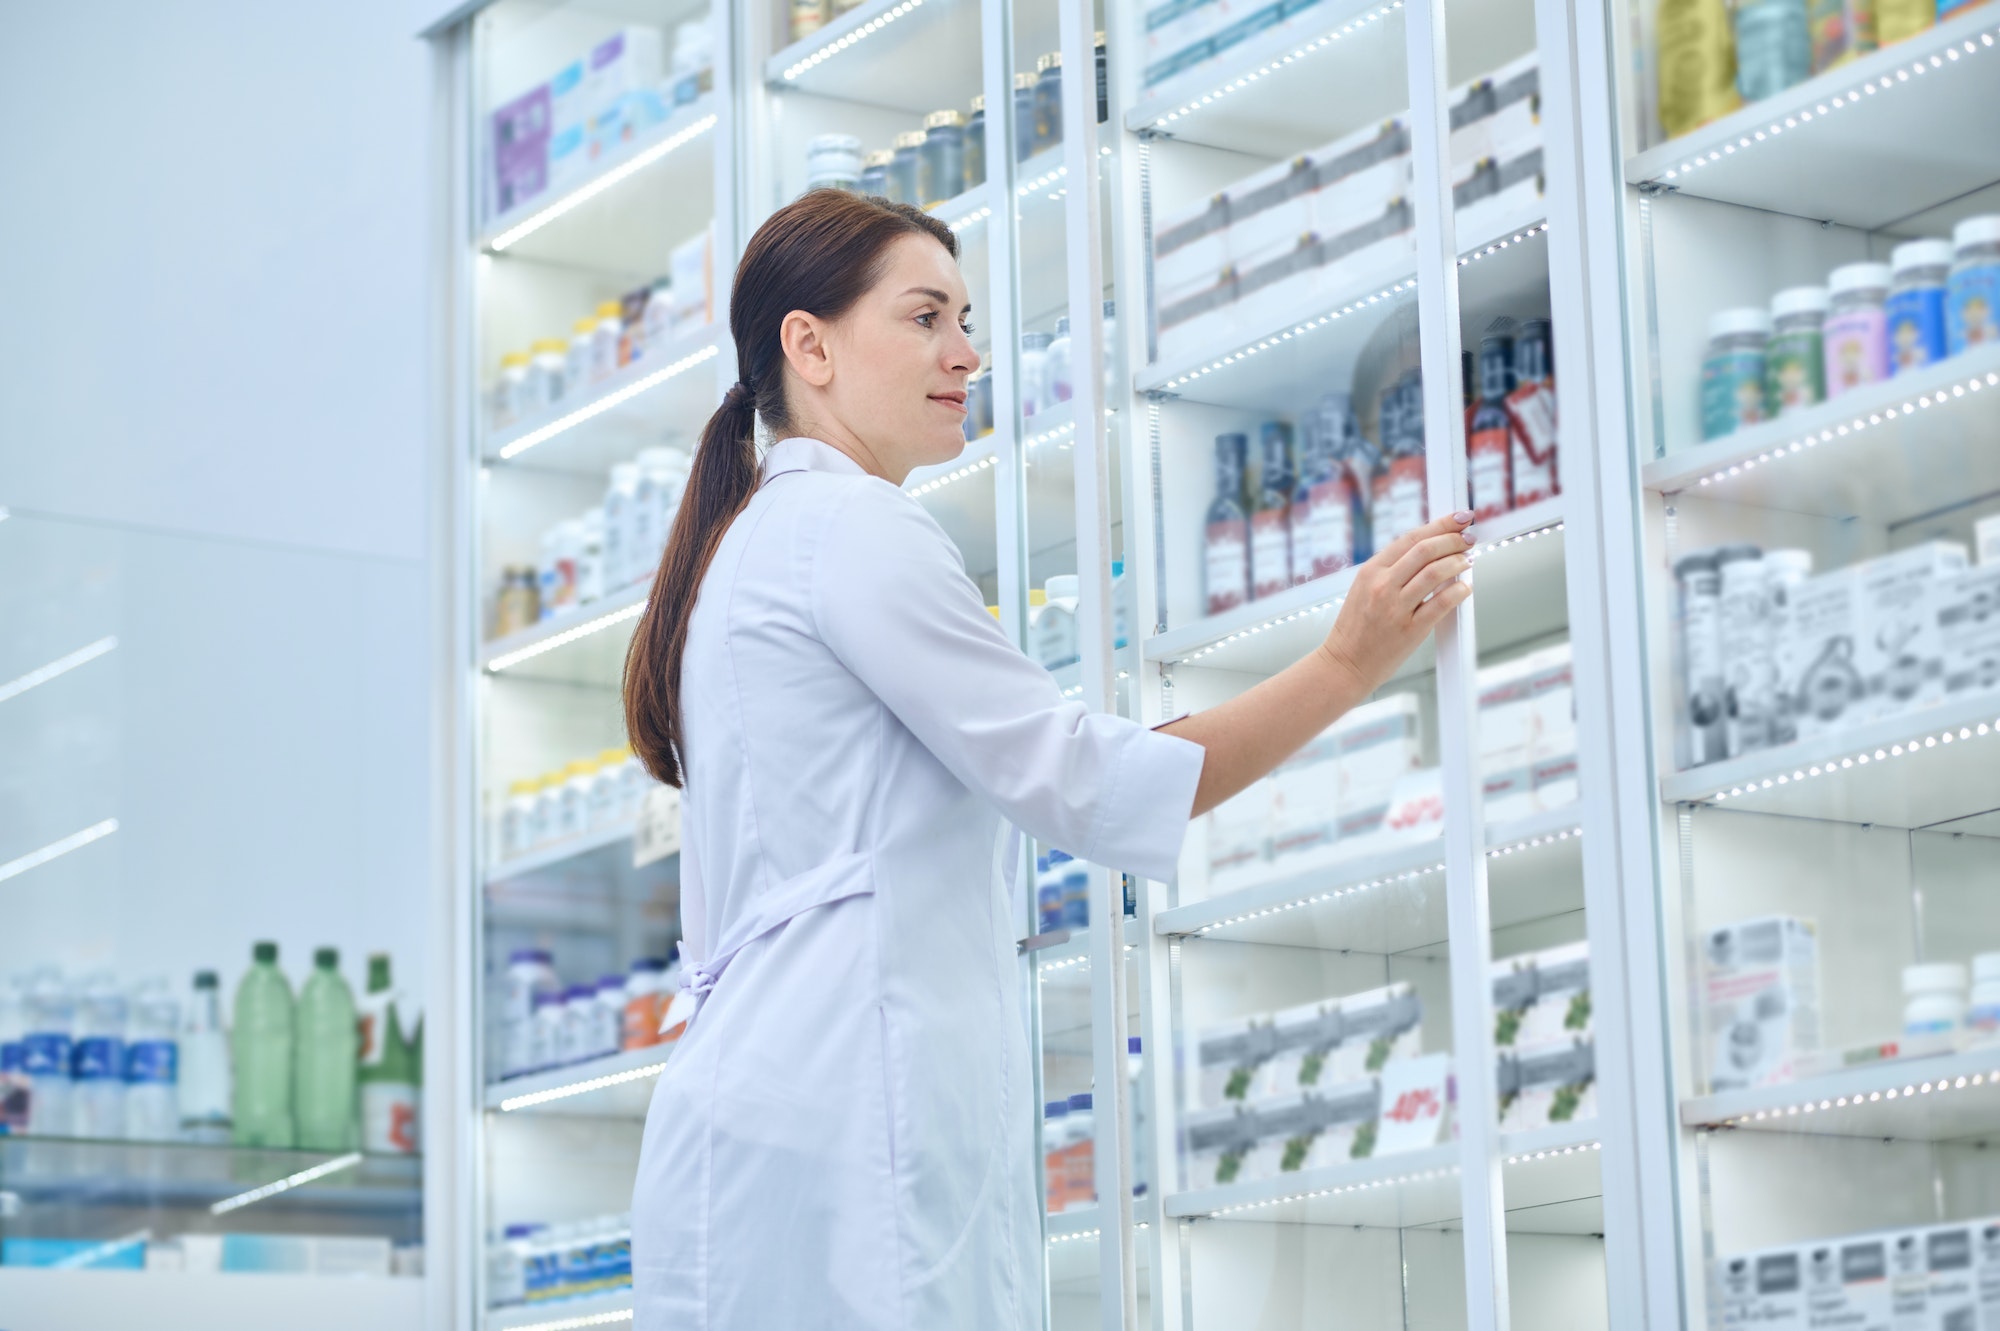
(1386, 614)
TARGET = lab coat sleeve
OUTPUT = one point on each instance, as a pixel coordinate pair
(892, 600)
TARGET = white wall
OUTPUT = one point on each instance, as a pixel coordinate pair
(216, 444)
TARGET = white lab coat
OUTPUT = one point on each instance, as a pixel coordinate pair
(845, 1136)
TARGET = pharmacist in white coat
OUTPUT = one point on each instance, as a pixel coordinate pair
(845, 1135)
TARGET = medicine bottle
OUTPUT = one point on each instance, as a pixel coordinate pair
(903, 168)
(941, 159)
(975, 147)
(1933, 998)
(510, 394)
(1048, 101)
(1857, 326)
(1982, 1016)
(875, 172)
(1920, 271)
(1795, 364)
(1972, 297)
(833, 161)
(1024, 117)
(1732, 371)
(1032, 372)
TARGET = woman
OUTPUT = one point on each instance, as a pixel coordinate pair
(844, 1137)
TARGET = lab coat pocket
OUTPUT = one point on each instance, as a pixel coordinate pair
(802, 1159)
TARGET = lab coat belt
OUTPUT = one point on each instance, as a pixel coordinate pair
(838, 879)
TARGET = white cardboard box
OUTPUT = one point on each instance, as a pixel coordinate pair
(1952, 1295)
(1909, 1281)
(1847, 1284)
(1763, 1289)
(1968, 615)
(1760, 980)
(1234, 1060)
(1545, 1082)
(1901, 651)
(1818, 658)
(1543, 996)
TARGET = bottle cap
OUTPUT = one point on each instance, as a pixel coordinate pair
(1036, 596)
(1860, 277)
(610, 982)
(1117, 568)
(1110, 309)
(938, 119)
(832, 143)
(326, 958)
(515, 358)
(1053, 60)
(522, 787)
(1035, 341)
(585, 326)
(1799, 300)
(1023, 82)
(913, 139)
(1079, 1101)
(1934, 977)
(1063, 586)
(577, 991)
(880, 157)
(580, 767)
(1058, 857)
(979, 104)
(550, 346)
(609, 758)
(207, 980)
(1055, 1109)
(609, 309)
(1100, 40)
(1062, 325)
(1726, 555)
(1928, 253)
(1983, 230)
(527, 954)
(1748, 319)
(1132, 1044)
(264, 953)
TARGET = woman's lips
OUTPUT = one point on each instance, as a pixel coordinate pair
(956, 401)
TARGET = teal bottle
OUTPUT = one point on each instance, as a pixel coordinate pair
(324, 1057)
(261, 1047)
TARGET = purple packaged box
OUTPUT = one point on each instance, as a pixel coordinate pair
(521, 149)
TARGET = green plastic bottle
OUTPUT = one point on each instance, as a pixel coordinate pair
(261, 1047)
(391, 1066)
(327, 1039)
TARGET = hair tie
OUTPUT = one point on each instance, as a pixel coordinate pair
(738, 394)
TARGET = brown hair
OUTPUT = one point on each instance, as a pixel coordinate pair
(820, 254)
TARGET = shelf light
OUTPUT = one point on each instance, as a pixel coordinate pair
(1041, 182)
(1421, 1176)
(937, 483)
(618, 174)
(1488, 547)
(584, 1087)
(1072, 1238)
(1840, 100)
(1859, 758)
(1300, 52)
(1814, 438)
(847, 39)
(286, 1184)
(1554, 1152)
(1808, 1106)
(1254, 629)
(598, 406)
(977, 215)
(563, 639)
(62, 665)
(74, 841)
(1076, 690)
(1519, 237)
(577, 1323)
(97, 1252)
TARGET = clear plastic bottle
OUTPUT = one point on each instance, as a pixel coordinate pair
(941, 158)
(1982, 1014)
(48, 1048)
(1972, 295)
(1857, 326)
(1795, 364)
(1921, 270)
(262, 1049)
(1032, 372)
(204, 1072)
(323, 1094)
(97, 1066)
(152, 1065)
(1048, 101)
(1226, 542)
(1054, 634)
(902, 181)
(390, 1066)
(875, 172)
(1733, 371)
(1058, 383)
(530, 975)
(510, 390)
(546, 386)
(1933, 998)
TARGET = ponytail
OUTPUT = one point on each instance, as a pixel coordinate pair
(820, 254)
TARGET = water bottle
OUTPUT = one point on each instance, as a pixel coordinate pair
(45, 1054)
(262, 1047)
(97, 1063)
(323, 1095)
(152, 1065)
(204, 1071)
(13, 1057)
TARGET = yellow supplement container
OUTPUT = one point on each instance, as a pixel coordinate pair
(1697, 60)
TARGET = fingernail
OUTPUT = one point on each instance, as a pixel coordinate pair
(1463, 516)
(1470, 539)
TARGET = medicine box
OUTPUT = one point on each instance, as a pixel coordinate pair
(1218, 1143)
(1356, 178)
(1545, 1082)
(1968, 616)
(1909, 1281)
(520, 150)
(1507, 792)
(1901, 655)
(310, 1254)
(1763, 1289)
(1847, 1284)
(1233, 1060)
(1416, 807)
(1761, 1000)
(1555, 782)
(1346, 1117)
(569, 120)
(1497, 116)
(1306, 799)
(1542, 996)
(1986, 1264)
(1952, 1292)
(1380, 743)
(691, 269)
(1416, 1104)
(1270, 207)
(1378, 1027)
(1986, 539)
(1239, 834)
(1818, 657)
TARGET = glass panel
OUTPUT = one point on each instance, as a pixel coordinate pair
(138, 853)
(600, 341)
(1810, 296)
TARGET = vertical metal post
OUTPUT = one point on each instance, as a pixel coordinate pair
(996, 37)
(1467, 910)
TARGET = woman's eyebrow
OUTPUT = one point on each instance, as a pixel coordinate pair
(934, 294)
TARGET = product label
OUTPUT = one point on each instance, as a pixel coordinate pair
(389, 1117)
(1701, 651)
(1857, 350)
(1228, 565)
(1489, 466)
(1772, 48)
(1841, 30)
(98, 1058)
(1796, 370)
(1972, 308)
(1399, 499)
(152, 1062)
(1732, 392)
(1270, 552)
(1330, 525)
(1916, 328)
(1533, 407)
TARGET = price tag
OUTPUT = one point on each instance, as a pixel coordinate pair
(1416, 1092)
(658, 834)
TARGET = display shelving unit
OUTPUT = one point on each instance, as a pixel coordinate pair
(1627, 243)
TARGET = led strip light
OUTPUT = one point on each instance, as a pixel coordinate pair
(534, 1098)
(1299, 53)
(599, 406)
(286, 1184)
(979, 214)
(1421, 871)
(1852, 97)
(937, 483)
(577, 1323)
(1361, 303)
(1421, 1176)
(616, 175)
(1076, 690)
(845, 40)
(1088, 1233)
(1941, 1085)
(60, 666)
(1814, 439)
(563, 639)
(1041, 182)
(1488, 547)
(74, 841)
(1861, 758)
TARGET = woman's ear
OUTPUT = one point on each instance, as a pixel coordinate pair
(804, 338)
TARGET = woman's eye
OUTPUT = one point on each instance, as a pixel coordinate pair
(927, 320)
(967, 328)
